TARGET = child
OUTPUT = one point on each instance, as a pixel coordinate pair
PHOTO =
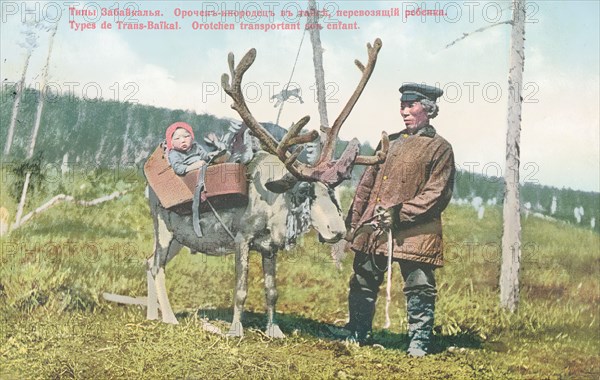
(185, 154)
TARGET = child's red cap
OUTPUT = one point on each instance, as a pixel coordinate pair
(172, 128)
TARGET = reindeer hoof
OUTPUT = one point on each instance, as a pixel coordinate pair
(211, 328)
(273, 331)
(171, 320)
(236, 330)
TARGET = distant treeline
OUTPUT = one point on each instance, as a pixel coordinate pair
(102, 132)
(106, 133)
(536, 200)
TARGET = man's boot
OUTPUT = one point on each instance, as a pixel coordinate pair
(362, 310)
(420, 293)
(420, 310)
(364, 286)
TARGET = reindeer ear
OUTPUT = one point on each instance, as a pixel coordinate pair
(282, 185)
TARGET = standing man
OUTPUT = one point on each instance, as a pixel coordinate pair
(407, 194)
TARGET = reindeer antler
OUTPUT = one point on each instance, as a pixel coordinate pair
(326, 170)
(332, 133)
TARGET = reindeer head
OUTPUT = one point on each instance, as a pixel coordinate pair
(325, 173)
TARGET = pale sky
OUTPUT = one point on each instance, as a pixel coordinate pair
(560, 139)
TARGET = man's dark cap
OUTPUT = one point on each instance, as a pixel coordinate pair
(414, 91)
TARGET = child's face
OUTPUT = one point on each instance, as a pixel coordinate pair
(182, 140)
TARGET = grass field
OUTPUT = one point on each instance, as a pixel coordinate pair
(54, 323)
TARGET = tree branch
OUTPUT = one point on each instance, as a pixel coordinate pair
(465, 35)
(67, 198)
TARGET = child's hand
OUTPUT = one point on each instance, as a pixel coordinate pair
(195, 165)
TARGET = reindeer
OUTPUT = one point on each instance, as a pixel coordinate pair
(286, 94)
(284, 194)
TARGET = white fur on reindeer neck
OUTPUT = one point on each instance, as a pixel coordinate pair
(298, 217)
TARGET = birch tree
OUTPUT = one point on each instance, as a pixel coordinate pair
(36, 127)
(317, 48)
(30, 31)
(315, 39)
(511, 235)
(511, 214)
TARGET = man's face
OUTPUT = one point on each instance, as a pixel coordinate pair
(413, 114)
(182, 140)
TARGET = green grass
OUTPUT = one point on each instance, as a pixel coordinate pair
(54, 323)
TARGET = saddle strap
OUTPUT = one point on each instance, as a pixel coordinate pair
(196, 201)
(220, 220)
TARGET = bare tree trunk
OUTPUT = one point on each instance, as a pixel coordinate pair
(315, 39)
(22, 202)
(511, 237)
(20, 87)
(67, 198)
(36, 127)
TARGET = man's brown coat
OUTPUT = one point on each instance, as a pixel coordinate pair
(416, 180)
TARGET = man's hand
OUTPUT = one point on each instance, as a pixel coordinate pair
(384, 216)
(349, 235)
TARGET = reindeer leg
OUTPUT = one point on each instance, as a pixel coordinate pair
(152, 310)
(165, 248)
(161, 238)
(269, 262)
(161, 289)
(153, 264)
(241, 286)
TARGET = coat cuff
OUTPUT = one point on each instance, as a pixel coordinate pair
(401, 218)
(396, 215)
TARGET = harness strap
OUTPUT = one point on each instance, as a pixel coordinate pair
(388, 288)
(219, 219)
(196, 201)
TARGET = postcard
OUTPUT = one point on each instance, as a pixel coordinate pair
(155, 148)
